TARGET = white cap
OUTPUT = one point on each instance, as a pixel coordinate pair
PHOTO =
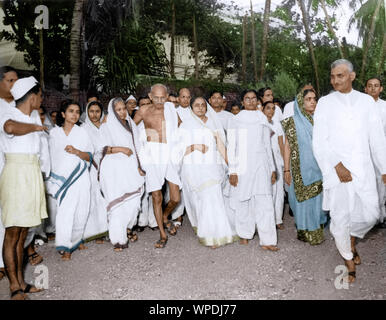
(22, 86)
(131, 98)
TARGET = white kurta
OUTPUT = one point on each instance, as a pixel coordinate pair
(348, 129)
(288, 110)
(250, 156)
(226, 118)
(73, 205)
(381, 106)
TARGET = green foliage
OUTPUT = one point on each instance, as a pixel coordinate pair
(20, 15)
(132, 51)
(284, 86)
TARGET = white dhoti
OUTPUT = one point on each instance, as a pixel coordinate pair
(381, 187)
(256, 213)
(122, 217)
(350, 216)
(159, 167)
(146, 217)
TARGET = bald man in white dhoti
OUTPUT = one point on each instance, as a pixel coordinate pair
(348, 141)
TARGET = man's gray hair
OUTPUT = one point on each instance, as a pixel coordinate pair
(345, 62)
(159, 85)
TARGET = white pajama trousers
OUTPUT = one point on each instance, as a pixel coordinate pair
(345, 222)
(122, 217)
(256, 213)
(278, 197)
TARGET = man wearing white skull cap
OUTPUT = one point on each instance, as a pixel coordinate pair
(22, 196)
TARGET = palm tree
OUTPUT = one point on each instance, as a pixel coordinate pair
(265, 37)
(254, 58)
(75, 49)
(329, 23)
(370, 21)
(309, 42)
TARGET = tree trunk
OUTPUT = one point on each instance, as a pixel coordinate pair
(244, 54)
(172, 45)
(41, 49)
(367, 45)
(309, 42)
(328, 20)
(381, 67)
(75, 50)
(196, 67)
(254, 58)
(265, 37)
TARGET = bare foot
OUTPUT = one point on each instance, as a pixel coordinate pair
(214, 247)
(99, 241)
(244, 242)
(31, 289)
(2, 273)
(270, 248)
(19, 295)
(280, 226)
(66, 256)
(82, 247)
(351, 270)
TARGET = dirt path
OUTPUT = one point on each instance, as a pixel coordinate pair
(187, 270)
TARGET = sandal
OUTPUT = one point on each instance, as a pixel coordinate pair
(28, 289)
(161, 243)
(133, 237)
(35, 259)
(170, 227)
(356, 258)
(18, 292)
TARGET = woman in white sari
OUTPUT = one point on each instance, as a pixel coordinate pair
(120, 175)
(203, 167)
(97, 226)
(71, 155)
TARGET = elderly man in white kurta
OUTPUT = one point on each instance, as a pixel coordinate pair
(374, 88)
(347, 140)
(252, 173)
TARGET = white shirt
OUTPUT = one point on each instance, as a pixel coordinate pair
(381, 105)
(289, 110)
(278, 115)
(29, 143)
(225, 117)
(184, 113)
(347, 129)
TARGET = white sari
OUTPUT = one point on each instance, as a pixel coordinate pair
(202, 176)
(120, 181)
(69, 184)
(97, 225)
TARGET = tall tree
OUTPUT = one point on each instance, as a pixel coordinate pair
(309, 42)
(172, 40)
(75, 49)
(323, 4)
(254, 55)
(370, 20)
(244, 49)
(267, 11)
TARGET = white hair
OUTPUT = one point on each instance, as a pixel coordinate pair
(345, 62)
(159, 85)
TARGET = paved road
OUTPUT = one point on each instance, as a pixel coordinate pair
(187, 270)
